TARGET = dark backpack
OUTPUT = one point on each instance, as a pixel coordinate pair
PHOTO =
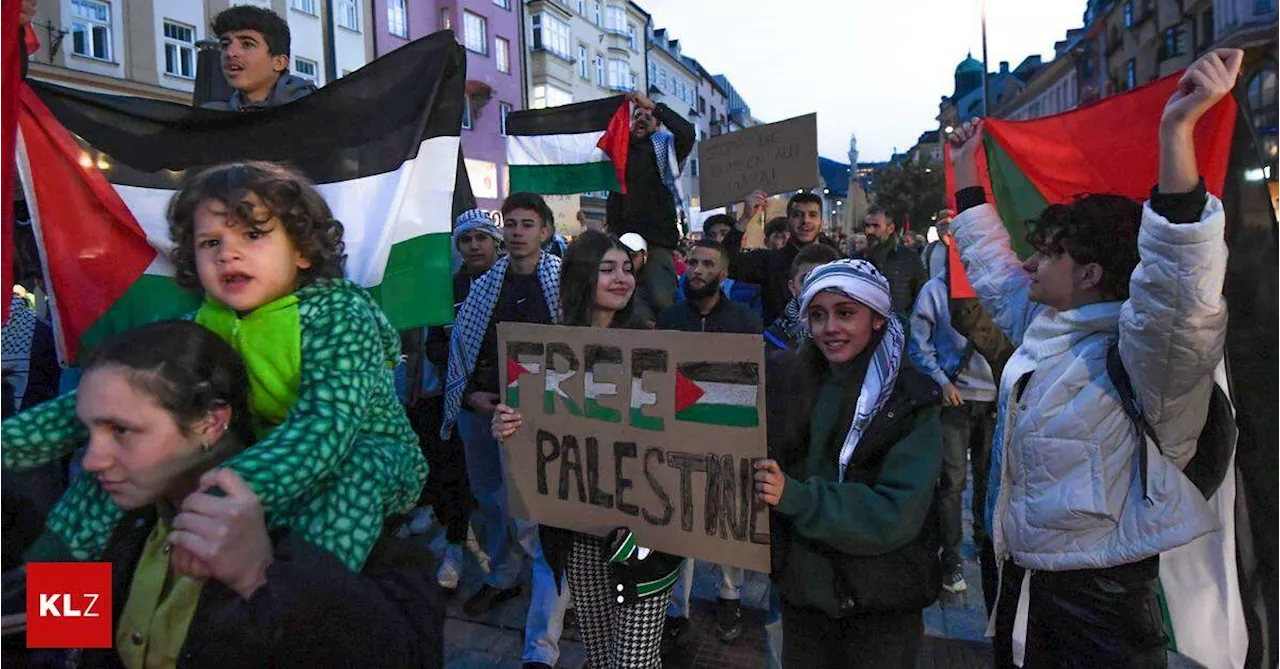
(1214, 447)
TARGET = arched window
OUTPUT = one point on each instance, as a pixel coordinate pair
(1261, 96)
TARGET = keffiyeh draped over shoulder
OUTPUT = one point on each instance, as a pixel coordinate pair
(473, 321)
(859, 280)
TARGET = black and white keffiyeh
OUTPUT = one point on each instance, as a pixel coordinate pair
(859, 280)
(473, 320)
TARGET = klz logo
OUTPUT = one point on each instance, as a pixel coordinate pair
(69, 605)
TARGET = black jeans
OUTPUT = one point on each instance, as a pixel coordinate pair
(966, 431)
(447, 490)
(1085, 618)
(813, 640)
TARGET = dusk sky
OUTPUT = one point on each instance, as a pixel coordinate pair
(873, 68)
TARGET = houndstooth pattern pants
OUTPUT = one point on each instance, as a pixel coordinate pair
(616, 636)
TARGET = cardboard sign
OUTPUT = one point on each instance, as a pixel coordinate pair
(651, 430)
(773, 158)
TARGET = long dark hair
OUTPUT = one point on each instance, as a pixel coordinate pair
(579, 271)
(188, 369)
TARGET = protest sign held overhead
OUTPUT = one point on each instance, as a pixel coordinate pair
(654, 431)
(772, 158)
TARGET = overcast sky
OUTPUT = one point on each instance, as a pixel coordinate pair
(874, 68)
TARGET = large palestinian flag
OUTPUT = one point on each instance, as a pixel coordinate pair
(1108, 147)
(718, 393)
(382, 145)
(576, 148)
(1216, 588)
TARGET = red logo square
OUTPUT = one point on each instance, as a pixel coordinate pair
(69, 605)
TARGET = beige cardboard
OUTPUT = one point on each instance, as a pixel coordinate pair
(662, 491)
(774, 158)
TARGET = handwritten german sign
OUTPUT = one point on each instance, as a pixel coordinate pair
(655, 431)
(773, 158)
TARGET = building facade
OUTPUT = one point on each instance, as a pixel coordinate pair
(148, 48)
(674, 82)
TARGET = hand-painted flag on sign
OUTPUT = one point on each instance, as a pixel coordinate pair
(1108, 147)
(381, 144)
(718, 393)
(514, 371)
(571, 149)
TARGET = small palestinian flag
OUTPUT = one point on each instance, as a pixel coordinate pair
(382, 145)
(718, 393)
(576, 148)
(514, 371)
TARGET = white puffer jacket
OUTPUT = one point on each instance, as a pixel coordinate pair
(1069, 493)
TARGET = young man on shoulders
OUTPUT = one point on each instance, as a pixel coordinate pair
(523, 287)
(255, 46)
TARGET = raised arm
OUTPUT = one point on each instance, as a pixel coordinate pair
(993, 268)
(1173, 326)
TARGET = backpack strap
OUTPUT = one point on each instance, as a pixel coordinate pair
(1129, 402)
(965, 357)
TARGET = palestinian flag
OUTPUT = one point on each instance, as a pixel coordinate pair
(382, 145)
(718, 393)
(576, 148)
(514, 371)
(1108, 147)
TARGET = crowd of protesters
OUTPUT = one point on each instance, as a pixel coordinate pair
(256, 473)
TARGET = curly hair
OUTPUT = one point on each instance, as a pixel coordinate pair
(287, 195)
(578, 275)
(1100, 229)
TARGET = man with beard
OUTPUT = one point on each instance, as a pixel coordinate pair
(901, 265)
(707, 309)
(661, 140)
(771, 268)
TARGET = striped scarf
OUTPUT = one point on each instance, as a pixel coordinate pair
(664, 153)
(859, 280)
(473, 320)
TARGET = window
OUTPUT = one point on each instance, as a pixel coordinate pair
(619, 74)
(446, 22)
(1172, 45)
(653, 73)
(584, 63)
(631, 36)
(1261, 7)
(304, 6)
(503, 110)
(1128, 13)
(635, 81)
(582, 7)
(179, 50)
(662, 79)
(549, 96)
(502, 54)
(615, 19)
(91, 29)
(702, 105)
(596, 16)
(466, 112)
(600, 70)
(307, 69)
(693, 167)
(551, 34)
(349, 14)
(397, 18)
(476, 33)
(505, 4)
(1130, 74)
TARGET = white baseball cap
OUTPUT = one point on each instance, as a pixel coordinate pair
(635, 242)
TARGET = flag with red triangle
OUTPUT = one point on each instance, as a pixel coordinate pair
(718, 393)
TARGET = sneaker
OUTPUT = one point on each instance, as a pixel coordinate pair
(676, 634)
(953, 582)
(728, 619)
(450, 568)
(473, 546)
(488, 597)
